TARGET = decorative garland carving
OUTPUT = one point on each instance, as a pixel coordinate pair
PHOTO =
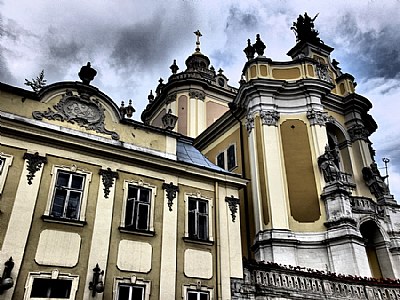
(171, 190)
(233, 204)
(107, 177)
(34, 163)
(269, 117)
(358, 132)
(317, 117)
(197, 94)
(80, 109)
(249, 123)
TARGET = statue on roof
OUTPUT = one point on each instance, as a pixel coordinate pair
(304, 29)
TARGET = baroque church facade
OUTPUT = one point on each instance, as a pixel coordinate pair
(266, 191)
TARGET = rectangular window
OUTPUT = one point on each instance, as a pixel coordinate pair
(51, 288)
(137, 214)
(67, 196)
(130, 292)
(227, 159)
(198, 219)
(230, 153)
(2, 162)
(198, 295)
(5, 163)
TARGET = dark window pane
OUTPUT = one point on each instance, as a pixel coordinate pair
(231, 157)
(192, 204)
(137, 292)
(203, 207)
(144, 195)
(203, 227)
(192, 224)
(129, 213)
(192, 296)
(143, 212)
(57, 209)
(123, 293)
(204, 296)
(73, 205)
(51, 288)
(132, 192)
(77, 182)
(221, 160)
(62, 179)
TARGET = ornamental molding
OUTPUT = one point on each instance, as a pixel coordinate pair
(34, 163)
(233, 206)
(269, 117)
(79, 109)
(197, 94)
(317, 117)
(107, 176)
(249, 123)
(170, 98)
(171, 190)
(358, 132)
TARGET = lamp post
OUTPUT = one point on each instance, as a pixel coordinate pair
(6, 281)
(386, 161)
(97, 285)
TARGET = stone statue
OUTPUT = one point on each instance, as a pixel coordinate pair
(375, 182)
(304, 29)
(326, 163)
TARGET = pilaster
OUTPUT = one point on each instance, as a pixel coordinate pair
(20, 222)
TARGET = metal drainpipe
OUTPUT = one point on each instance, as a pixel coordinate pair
(233, 106)
(217, 242)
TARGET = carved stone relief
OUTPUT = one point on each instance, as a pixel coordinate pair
(197, 94)
(171, 190)
(108, 180)
(34, 163)
(322, 72)
(79, 109)
(233, 206)
(358, 132)
(249, 123)
(269, 117)
(317, 117)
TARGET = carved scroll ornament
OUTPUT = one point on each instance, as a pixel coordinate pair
(34, 163)
(79, 109)
(171, 190)
(108, 180)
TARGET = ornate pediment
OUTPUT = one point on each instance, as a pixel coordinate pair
(78, 109)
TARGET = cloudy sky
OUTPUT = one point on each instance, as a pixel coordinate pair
(132, 43)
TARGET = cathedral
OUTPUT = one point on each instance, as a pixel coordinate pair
(265, 191)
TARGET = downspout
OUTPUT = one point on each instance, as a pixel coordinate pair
(232, 107)
(217, 242)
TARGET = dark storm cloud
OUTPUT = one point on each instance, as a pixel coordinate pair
(374, 52)
(240, 20)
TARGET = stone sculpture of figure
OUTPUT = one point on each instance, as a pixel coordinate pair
(326, 163)
(304, 29)
(375, 182)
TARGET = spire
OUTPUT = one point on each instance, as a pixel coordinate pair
(198, 35)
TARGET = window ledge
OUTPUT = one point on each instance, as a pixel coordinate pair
(197, 241)
(64, 221)
(135, 231)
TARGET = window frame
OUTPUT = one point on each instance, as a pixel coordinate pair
(153, 192)
(209, 201)
(132, 281)
(197, 288)
(4, 167)
(54, 274)
(83, 201)
(225, 158)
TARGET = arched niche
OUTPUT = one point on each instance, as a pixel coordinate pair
(339, 143)
(377, 251)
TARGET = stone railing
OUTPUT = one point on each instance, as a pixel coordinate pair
(273, 281)
(365, 205)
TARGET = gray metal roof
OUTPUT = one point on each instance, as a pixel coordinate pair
(185, 152)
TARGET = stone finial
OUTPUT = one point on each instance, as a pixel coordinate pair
(174, 67)
(259, 46)
(249, 50)
(87, 73)
(128, 111)
(198, 35)
(150, 97)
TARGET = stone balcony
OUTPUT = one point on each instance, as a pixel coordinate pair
(269, 281)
